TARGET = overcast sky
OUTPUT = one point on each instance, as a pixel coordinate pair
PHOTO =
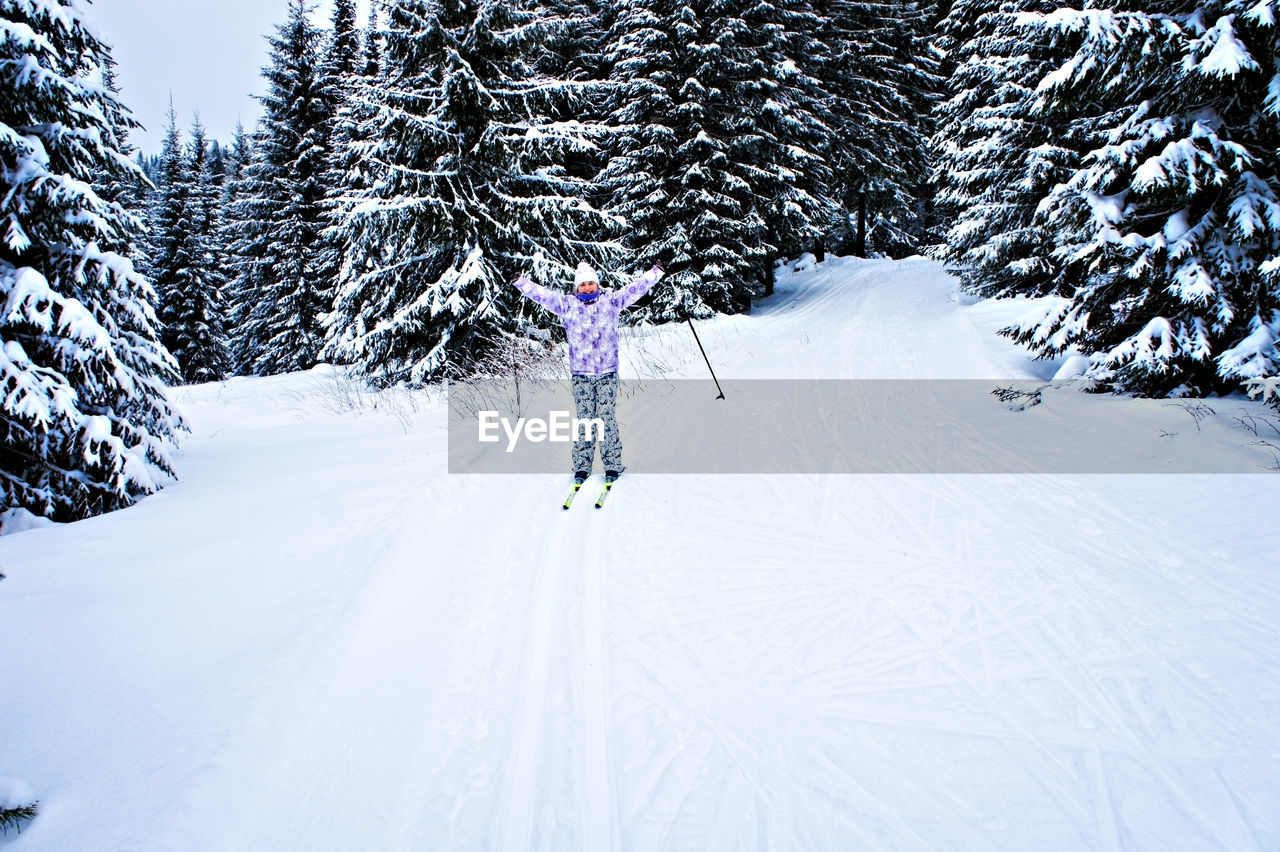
(208, 53)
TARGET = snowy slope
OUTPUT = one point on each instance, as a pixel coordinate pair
(844, 319)
(318, 639)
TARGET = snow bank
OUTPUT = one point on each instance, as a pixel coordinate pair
(19, 520)
(15, 793)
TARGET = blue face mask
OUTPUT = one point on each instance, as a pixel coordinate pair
(588, 297)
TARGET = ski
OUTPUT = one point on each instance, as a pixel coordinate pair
(604, 492)
(577, 485)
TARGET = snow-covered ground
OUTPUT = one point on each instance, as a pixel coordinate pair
(319, 639)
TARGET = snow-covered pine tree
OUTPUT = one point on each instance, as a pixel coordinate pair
(85, 425)
(878, 62)
(471, 189)
(997, 157)
(341, 72)
(165, 212)
(343, 57)
(572, 50)
(678, 188)
(349, 74)
(373, 46)
(797, 128)
(234, 163)
(149, 164)
(219, 162)
(129, 191)
(198, 311)
(239, 237)
(710, 157)
(188, 264)
(280, 292)
(353, 174)
(1170, 229)
(345, 71)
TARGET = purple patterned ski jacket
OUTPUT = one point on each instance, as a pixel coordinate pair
(592, 327)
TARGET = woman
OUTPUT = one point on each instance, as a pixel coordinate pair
(590, 318)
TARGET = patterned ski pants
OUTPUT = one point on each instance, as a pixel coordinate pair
(596, 396)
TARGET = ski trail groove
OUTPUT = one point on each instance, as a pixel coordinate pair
(600, 808)
(1106, 804)
(522, 775)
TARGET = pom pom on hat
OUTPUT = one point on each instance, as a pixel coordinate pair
(584, 273)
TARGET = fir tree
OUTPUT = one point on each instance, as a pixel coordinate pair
(877, 61)
(85, 422)
(149, 165)
(713, 161)
(188, 265)
(240, 234)
(373, 43)
(165, 216)
(572, 50)
(999, 158)
(344, 77)
(197, 313)
(128, 191)
(802, 128)
(237, 160)
(1169, 231)
(471, 188)
(342, 64)
(346, 68)
(219, 163)
(352, 177)
(280, 292)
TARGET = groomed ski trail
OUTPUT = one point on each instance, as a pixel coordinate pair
(388, 657)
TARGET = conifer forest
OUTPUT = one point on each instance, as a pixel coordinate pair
(1121, 157)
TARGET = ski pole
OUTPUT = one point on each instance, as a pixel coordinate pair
(704, 357)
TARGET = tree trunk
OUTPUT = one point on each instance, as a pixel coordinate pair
(770, 261)
(860, 244)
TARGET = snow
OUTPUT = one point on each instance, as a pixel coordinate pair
(1227, 56)
(1255, 207)
(1253, 357)
(1268, 389)
(14, 792)
(1107, 209)
(1073, 367)
(19, 520)
(1177, 225)
(318, 639)
(806, 263)
(1263, 14)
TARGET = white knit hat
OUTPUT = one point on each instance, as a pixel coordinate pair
(584, 273)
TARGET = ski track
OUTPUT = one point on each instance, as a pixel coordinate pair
(600, 806)
(535, 694)
(768, 662)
